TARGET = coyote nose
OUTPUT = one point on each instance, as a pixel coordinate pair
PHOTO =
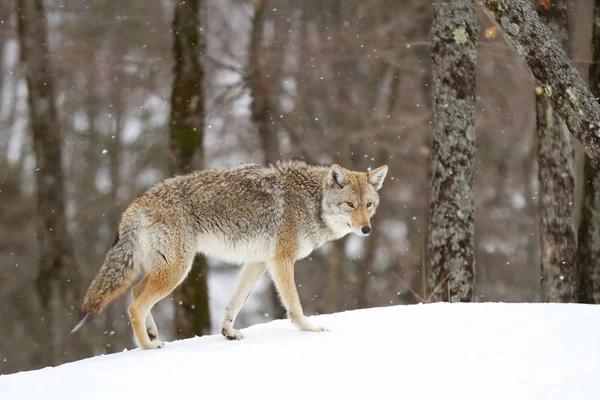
(366, 230)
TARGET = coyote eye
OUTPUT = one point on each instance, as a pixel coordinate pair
(350, 204)
(369, 205)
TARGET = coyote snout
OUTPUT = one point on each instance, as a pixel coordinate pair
(361, 219)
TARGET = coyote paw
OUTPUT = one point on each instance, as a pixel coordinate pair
(155, 344)
(231, 334)
(305, 325)
(316, 329)
(152, 332)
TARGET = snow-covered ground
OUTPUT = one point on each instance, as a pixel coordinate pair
(433, 351)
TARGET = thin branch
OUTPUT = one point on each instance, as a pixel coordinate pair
(224, 65)
(417, 295)
(439, 286)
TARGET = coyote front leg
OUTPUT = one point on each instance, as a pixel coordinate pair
(282, 271)
(247, 279)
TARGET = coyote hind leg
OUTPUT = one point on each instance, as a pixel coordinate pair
(160, 282)
(150, 324)
(246, 280)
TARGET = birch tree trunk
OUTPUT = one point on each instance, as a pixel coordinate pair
(192, 313)
(451, 202)
(588, 251)
(556, 176)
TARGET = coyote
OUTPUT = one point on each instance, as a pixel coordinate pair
(265, 218)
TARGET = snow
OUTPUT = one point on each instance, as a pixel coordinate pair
(425, 351)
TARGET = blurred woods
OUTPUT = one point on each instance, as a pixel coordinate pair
(324, 81)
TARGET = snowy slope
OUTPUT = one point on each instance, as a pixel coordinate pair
(434, 351)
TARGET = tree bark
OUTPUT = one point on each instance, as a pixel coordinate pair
(342, 142)
(557, 183)
(363, 298)
(552, 69)
(58, 277)
(451, 201)
(115, 156)
(262, 92)
(261, 88)
(114, 145)
(335, 259)
(192, 313)
(364, 292)
(588, 251)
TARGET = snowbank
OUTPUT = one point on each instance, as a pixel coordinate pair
(434, 351)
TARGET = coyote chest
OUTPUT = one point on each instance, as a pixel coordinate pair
(305, 247)
(309, 243)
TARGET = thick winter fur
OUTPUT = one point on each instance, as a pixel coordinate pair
(264, 218)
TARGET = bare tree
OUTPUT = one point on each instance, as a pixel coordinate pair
(261, 88)
(588, 250)
(57, 280)
(192, 314)
(451, 201)
(336, 256)
(263, 102)
(556, 194)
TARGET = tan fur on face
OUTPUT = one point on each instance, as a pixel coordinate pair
(356, 192)
(361, 216)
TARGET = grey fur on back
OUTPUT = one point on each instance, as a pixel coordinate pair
(240, 205)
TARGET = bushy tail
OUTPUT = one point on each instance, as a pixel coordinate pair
(116, 275)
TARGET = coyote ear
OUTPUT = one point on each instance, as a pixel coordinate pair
(337, 176)
(377, 176)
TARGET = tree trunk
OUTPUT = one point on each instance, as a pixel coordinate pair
(588, 252)
(557, 183)
(58, 277)
(451, 201)
(115, 155)
(192, 313)
(261, 89)
(336, 256)
(364, 292)
(530, 244)
(552, 69)
(363, 299)
(335, 259)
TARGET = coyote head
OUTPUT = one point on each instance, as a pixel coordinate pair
(350, 198)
